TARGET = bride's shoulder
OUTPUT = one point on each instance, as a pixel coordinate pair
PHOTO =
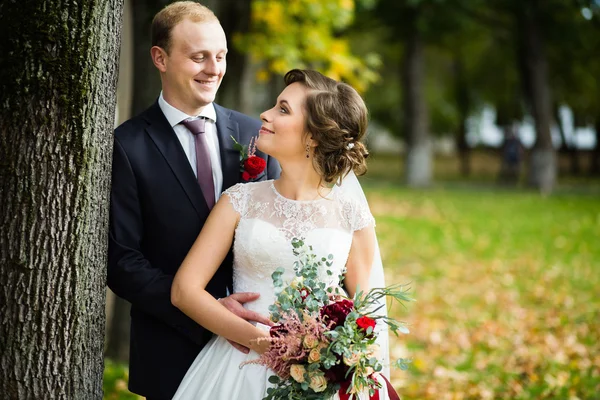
(247, 187)
(355, 213)
(243, 193)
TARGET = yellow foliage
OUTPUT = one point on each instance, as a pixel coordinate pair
(262, 75)
(288, 34)
(347, 5)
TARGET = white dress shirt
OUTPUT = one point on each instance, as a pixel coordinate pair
(186, 138)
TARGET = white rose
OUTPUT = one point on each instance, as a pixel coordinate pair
(297, 372)
(314, 356)
(352, 360)
(318, 383)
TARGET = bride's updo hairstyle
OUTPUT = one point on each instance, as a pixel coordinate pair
(336, 117)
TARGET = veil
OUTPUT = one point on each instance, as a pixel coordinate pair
(351, 187)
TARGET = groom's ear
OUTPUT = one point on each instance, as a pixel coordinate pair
(159, 58)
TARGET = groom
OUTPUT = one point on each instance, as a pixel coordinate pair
(169, 168)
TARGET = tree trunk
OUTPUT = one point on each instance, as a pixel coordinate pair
(57, 97)
(117, 310)
(543, 164)
(567, 146)
(595, 161)
(146, 78)
(418, 144)
(463, 103)
(236, 91)
(118, 335)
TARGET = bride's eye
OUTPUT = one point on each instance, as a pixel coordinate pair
(282, 110)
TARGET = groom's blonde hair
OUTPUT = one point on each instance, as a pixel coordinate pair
(166, 19)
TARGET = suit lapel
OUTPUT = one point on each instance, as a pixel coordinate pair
(161, 132)
(230, 158)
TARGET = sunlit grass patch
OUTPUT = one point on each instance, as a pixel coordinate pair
(506, 286)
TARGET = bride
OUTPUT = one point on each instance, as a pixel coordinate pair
(314, 131)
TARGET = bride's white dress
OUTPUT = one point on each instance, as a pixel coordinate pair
(268, 222)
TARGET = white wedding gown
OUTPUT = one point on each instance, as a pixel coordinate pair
(268, 222)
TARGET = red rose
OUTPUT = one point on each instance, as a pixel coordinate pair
(254, 165)
(337, 312)
(365, 323)
(245, 176)
(337, 373)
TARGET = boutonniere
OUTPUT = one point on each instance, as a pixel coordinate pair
(251, 165)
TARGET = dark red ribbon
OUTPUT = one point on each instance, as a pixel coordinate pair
(390, 389)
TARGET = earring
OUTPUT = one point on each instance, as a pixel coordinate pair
(307, 150)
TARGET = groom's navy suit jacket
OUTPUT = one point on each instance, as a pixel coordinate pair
(157, 211)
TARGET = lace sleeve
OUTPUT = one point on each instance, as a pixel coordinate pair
(238, 196)
(362, 218)
(357, 215)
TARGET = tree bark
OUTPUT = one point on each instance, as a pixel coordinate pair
(57, 108)
(543, 163)
(117, 310)
(463, 103)
(418, 144)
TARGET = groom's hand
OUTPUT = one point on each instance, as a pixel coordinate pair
(234, 303)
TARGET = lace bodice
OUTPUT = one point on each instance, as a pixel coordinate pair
(269, 222)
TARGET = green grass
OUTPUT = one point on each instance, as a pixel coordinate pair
(115, 382)
(506, 283)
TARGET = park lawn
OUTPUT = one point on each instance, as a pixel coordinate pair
(506, 283)
(506, 286)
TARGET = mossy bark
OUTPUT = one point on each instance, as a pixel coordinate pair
(57, 101)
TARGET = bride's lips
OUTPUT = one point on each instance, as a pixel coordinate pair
(266, 131)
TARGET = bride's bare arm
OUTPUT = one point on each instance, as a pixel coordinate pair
(188, 292)
(360, 260)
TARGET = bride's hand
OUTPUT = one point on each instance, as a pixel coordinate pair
(261, 344)
(234, 303)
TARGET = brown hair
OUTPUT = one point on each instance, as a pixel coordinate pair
(166, 19)
(337, 119)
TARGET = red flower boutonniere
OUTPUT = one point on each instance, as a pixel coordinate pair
(251, 165)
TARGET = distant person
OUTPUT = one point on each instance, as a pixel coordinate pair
(170, 165)
(512, 156)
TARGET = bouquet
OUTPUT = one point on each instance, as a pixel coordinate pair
(323, 342)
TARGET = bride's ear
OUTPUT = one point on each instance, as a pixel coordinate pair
(311, 141)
